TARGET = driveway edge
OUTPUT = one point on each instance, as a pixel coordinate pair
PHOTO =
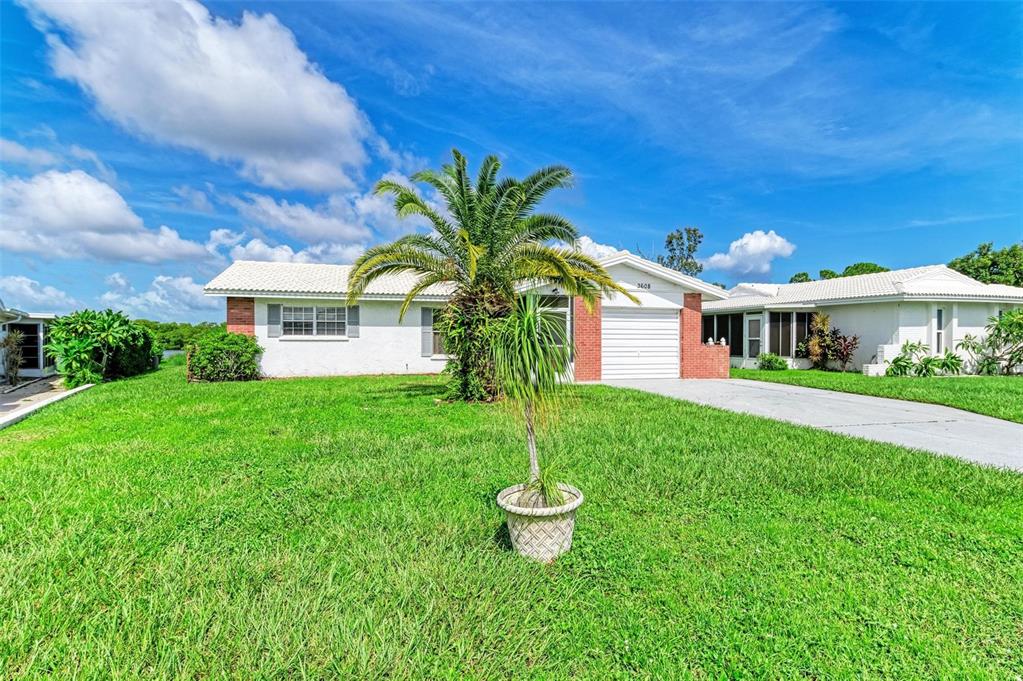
(21, 414)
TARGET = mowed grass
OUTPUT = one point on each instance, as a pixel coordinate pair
(998, 396)
(346, 528)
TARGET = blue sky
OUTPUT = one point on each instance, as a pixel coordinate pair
(145, 147)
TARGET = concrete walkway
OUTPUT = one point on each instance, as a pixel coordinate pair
(981, 439)
(16, 400)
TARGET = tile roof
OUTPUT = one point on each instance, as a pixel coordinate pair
(288, 278)
(932, 281)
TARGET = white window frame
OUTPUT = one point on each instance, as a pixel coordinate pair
(436, 335)
(939, 330)
(339, 313)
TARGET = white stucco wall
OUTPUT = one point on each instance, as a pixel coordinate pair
(875, 323)
(384, 345)
(971, 318)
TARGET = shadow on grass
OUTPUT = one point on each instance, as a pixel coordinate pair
(410, 390)
(502, 538)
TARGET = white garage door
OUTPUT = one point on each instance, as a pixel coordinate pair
(638, 343)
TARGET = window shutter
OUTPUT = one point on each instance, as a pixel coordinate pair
(426, 314)
(352, 322)
(273, 321)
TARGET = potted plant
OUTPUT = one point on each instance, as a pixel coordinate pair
(530, 354)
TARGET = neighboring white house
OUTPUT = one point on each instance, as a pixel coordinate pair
(297, 312)
(32, 325)
(934, 305)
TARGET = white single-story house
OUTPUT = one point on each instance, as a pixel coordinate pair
(934, 305)
(33, 326)
(298, 314)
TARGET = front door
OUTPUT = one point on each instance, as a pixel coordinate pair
(753, 330)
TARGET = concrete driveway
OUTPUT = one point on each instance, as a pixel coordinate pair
(934, 428)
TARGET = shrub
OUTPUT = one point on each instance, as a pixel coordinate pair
(825, 344)
(843, 348)
(91, 346)
(950, 363)
(1001, 351)
(926, 366)
(139, 353)
(915, 358)
(223, 356)
(768, 361)
(905, 362)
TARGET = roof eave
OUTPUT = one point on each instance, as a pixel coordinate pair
(665, 273)
(316, 295)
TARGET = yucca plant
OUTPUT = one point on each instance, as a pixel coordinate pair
(490, 243)
(530, 355)
(11, 350)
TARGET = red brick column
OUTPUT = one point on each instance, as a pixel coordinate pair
(586, 329)
(698, 360)
(241, 316)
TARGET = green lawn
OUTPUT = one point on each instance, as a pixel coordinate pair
(347, 528)
(998, 396)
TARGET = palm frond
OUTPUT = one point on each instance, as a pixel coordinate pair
(423, 284)
(408, 202)
(394, 258)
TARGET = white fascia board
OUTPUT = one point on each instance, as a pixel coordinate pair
(665, 273)
(299, 295)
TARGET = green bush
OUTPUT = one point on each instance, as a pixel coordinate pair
(138, 354)
(91, 346)
(1001, 351)
(768, 361)
(223, 356)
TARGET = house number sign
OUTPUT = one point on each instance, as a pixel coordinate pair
(643, 285)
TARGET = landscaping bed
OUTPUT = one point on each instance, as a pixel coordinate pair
(348, 528)
(998, 396)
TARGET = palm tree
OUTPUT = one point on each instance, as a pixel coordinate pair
(489, 244)
(531, 358)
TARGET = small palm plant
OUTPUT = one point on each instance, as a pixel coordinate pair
(530, 357)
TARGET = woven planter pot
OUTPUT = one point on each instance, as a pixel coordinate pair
(540, 533)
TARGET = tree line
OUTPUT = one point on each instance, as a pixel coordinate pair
(985, 263)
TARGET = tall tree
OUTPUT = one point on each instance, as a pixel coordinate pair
(828, 274)
(800, 278)
(681, 246)
(862, 268)
(985, 264)
(493, 243)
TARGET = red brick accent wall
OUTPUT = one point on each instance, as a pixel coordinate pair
(586, 328)
(698, 360)
(241, 316)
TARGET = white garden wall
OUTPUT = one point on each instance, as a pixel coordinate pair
(384, 345)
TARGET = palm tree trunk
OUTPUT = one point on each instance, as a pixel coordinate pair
(534, 462)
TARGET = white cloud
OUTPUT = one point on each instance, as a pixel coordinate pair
(752, 253)
(594, 249)
(222, 237)
(73, 215)
(237, 92)
(193, 198)
(12, 152)
(105, 172)
(57, 155)
(117, 281)
(166, 299)
(299, 220)
(29, 295)
(346, 220)
(257, 249)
